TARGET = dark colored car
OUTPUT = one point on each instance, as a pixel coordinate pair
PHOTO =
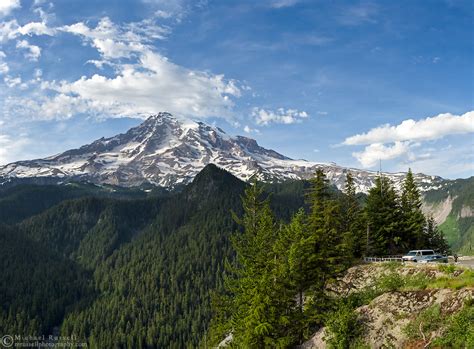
(437, 258)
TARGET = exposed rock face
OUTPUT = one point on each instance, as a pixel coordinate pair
(441, 210)
(384, 319)
(387, 315)
(466, 211)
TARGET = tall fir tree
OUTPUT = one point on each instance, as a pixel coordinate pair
(412, 216)
(383, 217)
(434, 237)
(323, 250)
(352, 221)
(255, 308)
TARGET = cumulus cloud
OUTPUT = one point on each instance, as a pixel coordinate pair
(12, 82)
(280, 116)
(7, 6)
(143, 81)
(371, 155)
(11, 30)
(410, 130)
(114, 41)
(390, 142)
(154, 84)
(33, 52)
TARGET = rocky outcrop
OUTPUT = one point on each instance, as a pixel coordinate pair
(440, 210)
(387, 315)
(384, 319)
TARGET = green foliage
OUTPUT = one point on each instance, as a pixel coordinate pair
(459, 231)
(391, 282)
(429, 320)
(413, 219)
(460, 330)
(455, 331)
(447, 268)
(275, 292)
(139, 271)
(384, 219)
(37, 285)
(434, 238)
(343, 327)
(465, 279)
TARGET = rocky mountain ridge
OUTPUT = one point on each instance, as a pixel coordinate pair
(167, 151)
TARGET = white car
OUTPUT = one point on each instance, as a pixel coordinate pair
(417, 255)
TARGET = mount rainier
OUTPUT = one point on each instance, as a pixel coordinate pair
(167, 151)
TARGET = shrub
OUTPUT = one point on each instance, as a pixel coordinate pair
(390, 282)
(417, 282)
(460, 330)
(343, 328)
(429, 320)
(447, 268)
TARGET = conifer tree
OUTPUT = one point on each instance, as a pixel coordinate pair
(435, 238)
(256, 317)
(323, 249)
(412, 215)
(383, 218)
(352, 221)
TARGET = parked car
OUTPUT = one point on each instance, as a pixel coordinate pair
(436, 258)
(417, 255)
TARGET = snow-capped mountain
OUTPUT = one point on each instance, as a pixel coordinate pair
(167, 151)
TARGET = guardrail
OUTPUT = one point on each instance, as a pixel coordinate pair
(383, 259)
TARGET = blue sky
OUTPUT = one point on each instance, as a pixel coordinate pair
(349, 82)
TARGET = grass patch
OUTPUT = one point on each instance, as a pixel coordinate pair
(455, 331)
(429, 320)
(394, 281)
(447, 268)
(465, 279)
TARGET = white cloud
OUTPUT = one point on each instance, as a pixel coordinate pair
(12, 82)
(154, 84)
(33, 52)
(36, 28)
(283, 3)
(280, 116)
(371, 155)
(410, 130)
(357, 14)
(163, 14)
(7, 6)
(144, 81)
(389, 142)
(11, 30)
(248, 129)
(3, 65)
(115, 42)
(11, 148)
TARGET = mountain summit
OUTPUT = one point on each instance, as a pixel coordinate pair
(167, 151)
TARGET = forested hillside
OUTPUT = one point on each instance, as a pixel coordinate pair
(454, 204)
(134, 269)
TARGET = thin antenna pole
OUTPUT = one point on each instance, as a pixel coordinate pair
(381, 179)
